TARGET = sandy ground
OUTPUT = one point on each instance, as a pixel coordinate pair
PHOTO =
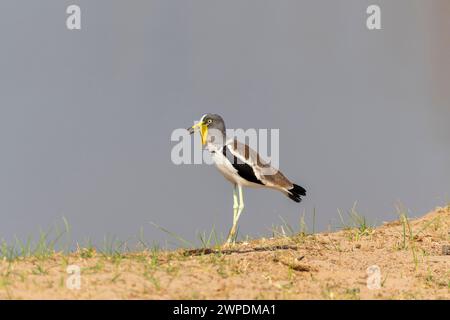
(410, 260)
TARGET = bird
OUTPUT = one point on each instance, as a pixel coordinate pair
(240, 165)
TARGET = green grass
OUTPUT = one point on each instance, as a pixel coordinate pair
(180, 240)
(113, 247)
(286, 229)
(45, 245)
(356, 223)
(211, 239)
(408, 236)
(57, 239)
(206, 239)
(39, 270)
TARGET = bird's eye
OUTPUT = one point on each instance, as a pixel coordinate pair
(209, 121)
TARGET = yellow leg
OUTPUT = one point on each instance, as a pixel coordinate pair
(238, 206)
(235, 204)
(241, 203)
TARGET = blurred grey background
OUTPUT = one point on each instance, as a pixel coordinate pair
(86, 116)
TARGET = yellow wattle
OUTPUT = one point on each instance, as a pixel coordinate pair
(204, 133)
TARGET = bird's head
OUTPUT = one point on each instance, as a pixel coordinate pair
(209, 125)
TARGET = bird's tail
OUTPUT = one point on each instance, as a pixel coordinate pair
(296, 192)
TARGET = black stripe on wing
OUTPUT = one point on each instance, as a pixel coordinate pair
(243, 170)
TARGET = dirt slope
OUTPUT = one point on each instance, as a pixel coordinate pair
(322, 266)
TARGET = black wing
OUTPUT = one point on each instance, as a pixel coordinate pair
(243, 170)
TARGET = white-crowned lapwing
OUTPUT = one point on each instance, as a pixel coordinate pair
(241, 165)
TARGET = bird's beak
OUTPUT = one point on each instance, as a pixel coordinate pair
(203, 130)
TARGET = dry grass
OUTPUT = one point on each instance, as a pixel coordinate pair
(320, 266)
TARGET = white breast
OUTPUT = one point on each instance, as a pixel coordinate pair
(224, 166)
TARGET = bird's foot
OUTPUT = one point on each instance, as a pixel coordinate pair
(231, 241)
(228, 245)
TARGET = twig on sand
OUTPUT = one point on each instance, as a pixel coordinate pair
(204, 251)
